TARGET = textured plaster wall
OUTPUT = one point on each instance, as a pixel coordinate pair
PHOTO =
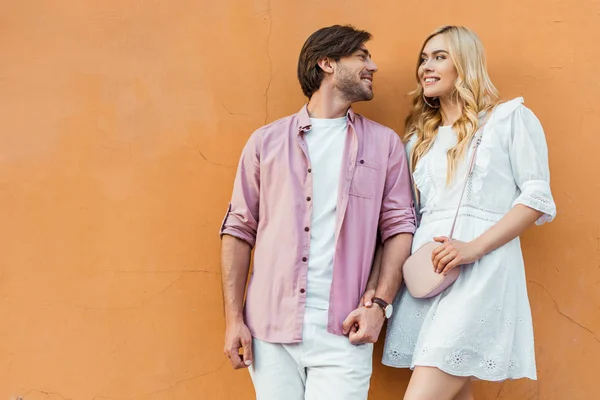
(121, 125)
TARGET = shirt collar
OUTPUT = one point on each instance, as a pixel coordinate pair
(304, 123)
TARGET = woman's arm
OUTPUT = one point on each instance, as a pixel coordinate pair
(454, 253)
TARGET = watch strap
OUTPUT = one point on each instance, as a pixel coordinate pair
(381, 303)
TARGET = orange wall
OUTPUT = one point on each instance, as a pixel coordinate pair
(121, 125)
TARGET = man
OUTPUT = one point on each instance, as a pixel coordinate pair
(313, 193)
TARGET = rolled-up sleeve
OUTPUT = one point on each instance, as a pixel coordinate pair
(397, 208)
(241, 219)
(529, 160)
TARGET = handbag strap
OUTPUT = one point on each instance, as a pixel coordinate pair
(477, 142)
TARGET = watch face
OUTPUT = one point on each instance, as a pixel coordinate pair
(389, 310)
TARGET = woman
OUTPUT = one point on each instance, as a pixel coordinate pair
(480, 327)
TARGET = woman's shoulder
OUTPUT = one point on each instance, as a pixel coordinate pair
(410, 138)
(409, 142)
(512, 118)
(512, 109)
(506, 108)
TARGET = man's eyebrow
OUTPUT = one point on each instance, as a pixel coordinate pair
(365, 52)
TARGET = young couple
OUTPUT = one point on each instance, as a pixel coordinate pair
(324, 197)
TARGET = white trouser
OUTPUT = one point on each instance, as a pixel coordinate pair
(323, 367)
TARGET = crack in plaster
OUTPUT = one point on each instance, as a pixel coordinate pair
(205, 158)
(500, 391)
(270, 15)
(262, 12)
(231, 113)
(183, 271)
(562, 313)
(142, 302)
(167, 389)
(45, 393)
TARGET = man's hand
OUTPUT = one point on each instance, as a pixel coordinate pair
(363, 325)
(237, 336)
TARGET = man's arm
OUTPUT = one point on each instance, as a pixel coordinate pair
(235, 263)
(238, 234)
(364, 324)
(397, 224)
(395, 251)
(367, 298)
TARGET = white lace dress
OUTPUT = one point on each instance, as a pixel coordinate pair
(481, 325)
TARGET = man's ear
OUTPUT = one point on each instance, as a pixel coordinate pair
(326, 64)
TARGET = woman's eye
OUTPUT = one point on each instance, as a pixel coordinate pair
(423, 60)
(440, 58)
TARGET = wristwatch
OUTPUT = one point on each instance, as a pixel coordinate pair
(387, 308)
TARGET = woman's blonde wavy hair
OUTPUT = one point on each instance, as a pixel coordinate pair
(473, 90)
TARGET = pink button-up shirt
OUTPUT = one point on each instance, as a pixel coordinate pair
(271, 210)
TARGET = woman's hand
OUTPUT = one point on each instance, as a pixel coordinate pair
(453, 253)
(367, 298)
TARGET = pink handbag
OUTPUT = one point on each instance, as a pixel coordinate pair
(421, 280)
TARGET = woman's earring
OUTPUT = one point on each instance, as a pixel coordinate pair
(429, 104)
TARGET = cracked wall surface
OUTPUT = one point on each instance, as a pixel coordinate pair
(122, 124)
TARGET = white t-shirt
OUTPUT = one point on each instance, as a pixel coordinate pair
(325, 141)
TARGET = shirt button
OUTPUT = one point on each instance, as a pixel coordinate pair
(302, 290)
(309, 170)
(304, 259)
(306, 229)
(362, 161)
(308, 199)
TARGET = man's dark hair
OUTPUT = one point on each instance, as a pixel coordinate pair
(334, 42)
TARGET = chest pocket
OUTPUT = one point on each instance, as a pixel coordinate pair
(364, 180)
